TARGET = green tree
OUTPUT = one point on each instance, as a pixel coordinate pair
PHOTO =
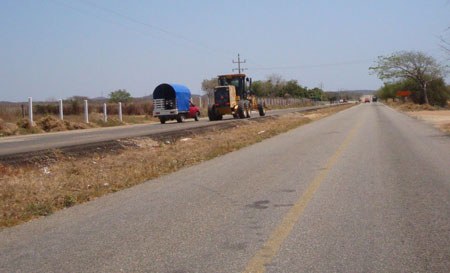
(437, 90)
(315, 94)
(275, 84)
(120, 95)
(263, 88)
(258, 88)
(292, 88)
(417, 66)
(388, 91)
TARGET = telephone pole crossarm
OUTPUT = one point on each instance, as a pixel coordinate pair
(239, 62)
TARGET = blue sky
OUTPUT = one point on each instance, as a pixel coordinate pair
(60, 48)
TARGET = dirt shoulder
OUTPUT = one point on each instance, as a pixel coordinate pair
(438, 117)
(61, 180)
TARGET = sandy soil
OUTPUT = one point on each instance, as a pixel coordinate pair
(440, 119)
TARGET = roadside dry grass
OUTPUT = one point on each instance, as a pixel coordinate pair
(51, 123)
(29, 192)
(410, 107)
(438, 117)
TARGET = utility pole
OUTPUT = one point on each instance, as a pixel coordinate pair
(239, 62)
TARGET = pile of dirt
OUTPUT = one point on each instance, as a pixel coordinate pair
(78, 125)
(4, 130)
(409, 107)
(24, 123)
(51, 124)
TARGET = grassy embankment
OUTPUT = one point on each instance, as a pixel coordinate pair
(51, 123)
(32, 191)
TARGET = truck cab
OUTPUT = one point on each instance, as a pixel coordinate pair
(239, 83)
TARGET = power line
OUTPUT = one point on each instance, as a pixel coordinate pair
(153, 35)
(160, 29)
(193, 44)
(313, 65)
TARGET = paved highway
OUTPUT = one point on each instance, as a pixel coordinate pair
(364, 190)
(32, 143)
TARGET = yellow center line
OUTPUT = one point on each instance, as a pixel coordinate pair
(276, 239)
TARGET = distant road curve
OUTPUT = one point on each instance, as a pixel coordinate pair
(33, 143)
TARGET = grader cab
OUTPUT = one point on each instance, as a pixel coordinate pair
(233, 96)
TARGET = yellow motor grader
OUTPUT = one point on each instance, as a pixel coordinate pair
(233, 96)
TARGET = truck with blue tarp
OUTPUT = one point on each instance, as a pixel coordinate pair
(173, 102)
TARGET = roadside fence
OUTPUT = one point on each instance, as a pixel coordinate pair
(61, 108)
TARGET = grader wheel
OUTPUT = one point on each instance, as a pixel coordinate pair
(241, 109)
(261, 110)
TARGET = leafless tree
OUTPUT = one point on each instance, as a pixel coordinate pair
(445, 43)
(208, 87)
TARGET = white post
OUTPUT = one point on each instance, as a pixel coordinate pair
(120, 111)
(105, 117)
(30, 110)
(86, 114)
(200, 102)
(61, 114)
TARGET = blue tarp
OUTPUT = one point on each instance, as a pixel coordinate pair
(170, 90)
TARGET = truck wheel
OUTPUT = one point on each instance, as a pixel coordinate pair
(162, 120)
(197, 114)
(180, 118)
(241, 107)
(247, 109)
(211, 113)
(219, 117)
(261, 110)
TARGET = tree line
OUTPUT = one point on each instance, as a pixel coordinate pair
(274, 86)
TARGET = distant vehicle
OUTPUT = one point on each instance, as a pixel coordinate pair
(366, 100)
(341, 100)
(374, 99)
(173, 101)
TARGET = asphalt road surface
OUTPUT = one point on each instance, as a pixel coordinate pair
(32, 143)
(364, 190)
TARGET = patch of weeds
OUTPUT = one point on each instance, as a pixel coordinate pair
(40, 209)
(111, 122)
(68, 201)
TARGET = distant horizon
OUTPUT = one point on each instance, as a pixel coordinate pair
(194, 94)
